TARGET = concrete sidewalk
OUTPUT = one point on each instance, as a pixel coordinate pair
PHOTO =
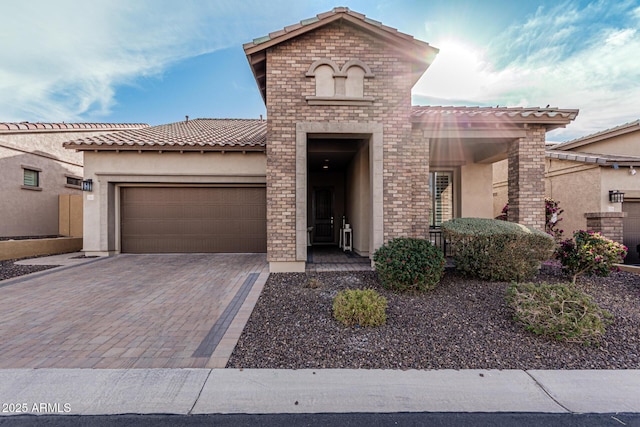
(253, 391)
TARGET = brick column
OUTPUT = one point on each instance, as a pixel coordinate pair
(420, 196)
(526, 179)
(609, 224)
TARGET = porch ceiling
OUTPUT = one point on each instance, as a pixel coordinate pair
(456, 152)
(333, 153)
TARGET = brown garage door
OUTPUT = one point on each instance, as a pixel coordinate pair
(195, 219)
(631, 230)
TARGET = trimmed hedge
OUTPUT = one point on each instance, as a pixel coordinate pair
(497, 250)
(408, 264)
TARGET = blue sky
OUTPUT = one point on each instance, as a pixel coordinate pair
(155, 61)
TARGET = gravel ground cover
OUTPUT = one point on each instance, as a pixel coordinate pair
(462, 324)
(9, 269)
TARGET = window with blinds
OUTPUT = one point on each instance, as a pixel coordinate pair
(441, 188)
(31, 178)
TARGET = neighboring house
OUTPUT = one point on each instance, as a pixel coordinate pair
(341, 140)
(582, 174)
(35, 169)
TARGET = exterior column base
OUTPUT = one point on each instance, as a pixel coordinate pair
(99, 253)
(287, 266)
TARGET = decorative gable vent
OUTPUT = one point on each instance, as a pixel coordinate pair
(335, 86)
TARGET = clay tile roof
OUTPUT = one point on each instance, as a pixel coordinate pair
(257, 59)
(551, 118)
(187, 135)
(66, 127)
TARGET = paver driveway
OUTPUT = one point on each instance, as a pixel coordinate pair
(129, 311)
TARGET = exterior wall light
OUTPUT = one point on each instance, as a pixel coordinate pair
(616, 196)
(87, 185)
(632, 170)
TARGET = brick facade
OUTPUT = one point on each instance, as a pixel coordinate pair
(607, 223)
(526, 178)
(286, 91)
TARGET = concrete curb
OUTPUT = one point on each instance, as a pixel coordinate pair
(255, 391)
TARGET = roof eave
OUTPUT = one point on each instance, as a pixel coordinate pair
(600, 136)
(561, 119)
(163, 148)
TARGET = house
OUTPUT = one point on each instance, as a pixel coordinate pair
(35, 169)
(586, 176)
(341, 140)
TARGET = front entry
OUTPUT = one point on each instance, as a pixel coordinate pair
(323, 215)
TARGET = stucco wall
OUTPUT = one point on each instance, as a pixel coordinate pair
(624, 145)
(110, 170)
(359, 200)
(477, 191)
(577, 188)
(500, 186)
(618, 179)
(14, 249)
(28, 212)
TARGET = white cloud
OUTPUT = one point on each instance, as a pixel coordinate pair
(557, 57)
(66, 56)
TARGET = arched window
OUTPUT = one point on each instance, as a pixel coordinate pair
(325, 86)
(335, 86)
(354, 87)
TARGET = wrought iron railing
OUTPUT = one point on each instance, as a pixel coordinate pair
(436, 236)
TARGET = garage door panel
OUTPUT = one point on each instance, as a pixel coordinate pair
(197, 219)
(631, 230)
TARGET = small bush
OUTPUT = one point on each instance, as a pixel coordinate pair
(407, 264)
(558, 311)
(360, 307)
(497, 250)
(589, 253)
(313, 283)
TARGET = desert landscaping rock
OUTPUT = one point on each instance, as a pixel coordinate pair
(462, 324)
(8, 269)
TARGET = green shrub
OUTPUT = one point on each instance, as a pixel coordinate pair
(491, 249)
(589, 253)
(360, 307)
(559, 311)
(407, 264)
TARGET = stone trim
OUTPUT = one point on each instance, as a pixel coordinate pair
(336, 100)
(287, 266)
(375, 130)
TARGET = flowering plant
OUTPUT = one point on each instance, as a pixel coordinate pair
(552, 214)
(589, 253)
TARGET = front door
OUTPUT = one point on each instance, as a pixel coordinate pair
(323, 216)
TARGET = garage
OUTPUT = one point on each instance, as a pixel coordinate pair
(631, 230)
(193, 219)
